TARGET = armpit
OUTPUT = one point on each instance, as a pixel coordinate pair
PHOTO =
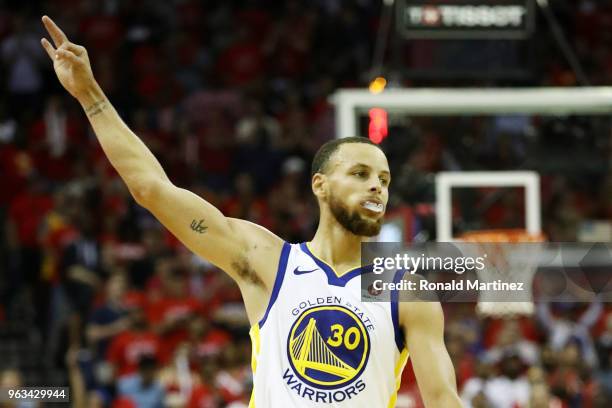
(243, 269)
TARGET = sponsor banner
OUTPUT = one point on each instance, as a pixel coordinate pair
(465, 19)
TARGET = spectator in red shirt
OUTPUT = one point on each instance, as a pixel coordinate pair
(101, 29)
(125, 350)
(290, 42)
(234, 379)
(245, 204)
(54, 140)
(205, 394)
(172, 312)
(242, 63)
(206, 340)
(25, 214)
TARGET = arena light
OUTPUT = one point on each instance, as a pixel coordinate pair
(377, 85)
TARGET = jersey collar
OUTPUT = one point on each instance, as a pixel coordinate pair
(333, 278)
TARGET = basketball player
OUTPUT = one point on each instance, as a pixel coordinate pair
(314, 342)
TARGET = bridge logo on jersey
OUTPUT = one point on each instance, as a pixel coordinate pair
(328, 346)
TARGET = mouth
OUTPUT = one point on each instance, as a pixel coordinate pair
(373, 205)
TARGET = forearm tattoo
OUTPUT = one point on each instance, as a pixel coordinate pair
(198, 226)
(96, 107)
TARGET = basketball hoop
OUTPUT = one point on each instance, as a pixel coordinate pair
(520, 264)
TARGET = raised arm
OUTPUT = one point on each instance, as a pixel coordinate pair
(247, 252)
(423, 325)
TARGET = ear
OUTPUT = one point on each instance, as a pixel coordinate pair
(319, 185)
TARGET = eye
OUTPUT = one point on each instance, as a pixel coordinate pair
(361, 173)
(384, 181)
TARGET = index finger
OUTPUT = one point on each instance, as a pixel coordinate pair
(54, 31)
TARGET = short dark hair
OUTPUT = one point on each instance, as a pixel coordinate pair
(320, 160)
(147, 362)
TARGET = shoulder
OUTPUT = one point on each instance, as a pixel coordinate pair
(420, 314)
(417, 308)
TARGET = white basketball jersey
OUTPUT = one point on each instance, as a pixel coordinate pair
(319, 345)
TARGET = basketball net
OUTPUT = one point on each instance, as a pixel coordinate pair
(518, 265)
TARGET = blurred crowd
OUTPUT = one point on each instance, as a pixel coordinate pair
(233, 99)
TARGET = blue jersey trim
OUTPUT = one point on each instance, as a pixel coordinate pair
(332, 277)
(399, 335)
(278, 282)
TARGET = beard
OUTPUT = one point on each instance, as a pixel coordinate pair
(353, 221)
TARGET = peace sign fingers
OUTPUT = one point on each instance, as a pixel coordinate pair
(70, 61)
(57, 35)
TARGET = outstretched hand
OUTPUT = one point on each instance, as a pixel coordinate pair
(70, 61)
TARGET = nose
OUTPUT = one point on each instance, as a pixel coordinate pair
(376, 185)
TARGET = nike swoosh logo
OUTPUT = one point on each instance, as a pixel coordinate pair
(297, 271)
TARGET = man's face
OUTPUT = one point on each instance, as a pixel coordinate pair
(139, 319)
(511, 367)
(357, 187)
(116, 287)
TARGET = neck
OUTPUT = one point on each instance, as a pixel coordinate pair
(336, 246)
